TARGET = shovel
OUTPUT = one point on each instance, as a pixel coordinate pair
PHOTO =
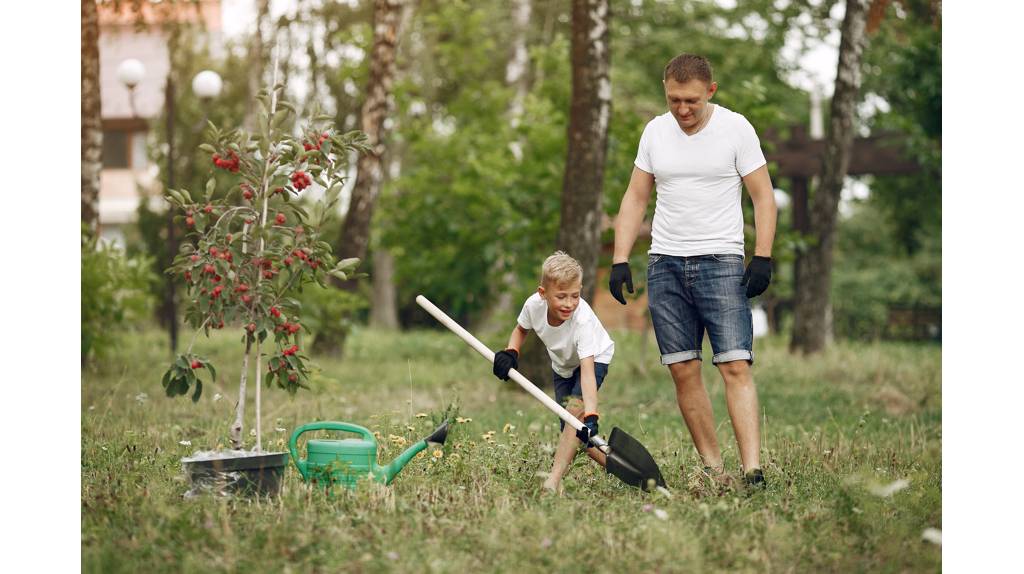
(625, 457)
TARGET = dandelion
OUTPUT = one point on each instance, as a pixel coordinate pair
(421, 415)
(185, 442)
(252, 432)
(463, 420)
(933, 535)
(890, 489)
(507, 428)
(438, 454)
(454, 456)
(411, 428)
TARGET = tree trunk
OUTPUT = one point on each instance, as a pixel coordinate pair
(812, 324)
(496, 316)
(580, 231)
(384, 312)
(255, 65)
(92, 123)
(355, 232)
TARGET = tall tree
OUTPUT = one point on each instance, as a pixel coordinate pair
(92, 126)
(582, 191)
(812, 327)
(355, 233)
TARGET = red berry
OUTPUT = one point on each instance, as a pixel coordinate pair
(189, 221)
(194, 258)
(229, 237)
(247, 194)
(275, 311)
(246, 299)
(208, 208)
(280, 219)
(251, 327)
(292, 377)
(287, 261)
(188, 276)
(293, 328)
(197, 365)
(208, 268)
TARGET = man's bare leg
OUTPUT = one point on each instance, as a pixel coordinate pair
(741, 398)
(695, 406)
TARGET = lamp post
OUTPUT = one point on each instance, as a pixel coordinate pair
(130, 72)
(206, 85)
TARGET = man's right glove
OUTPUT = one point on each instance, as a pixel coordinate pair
(620, 274)
(589, 429)
(504, 361)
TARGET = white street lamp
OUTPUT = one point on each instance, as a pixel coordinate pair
(206, 85)
(130, 72)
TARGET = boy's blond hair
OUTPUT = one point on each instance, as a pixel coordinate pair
(560, 269)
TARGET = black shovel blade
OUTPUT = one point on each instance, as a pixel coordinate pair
(631, 463)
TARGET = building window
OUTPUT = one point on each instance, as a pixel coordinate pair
(124, 149)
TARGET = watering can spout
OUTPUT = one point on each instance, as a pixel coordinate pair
(389, 471)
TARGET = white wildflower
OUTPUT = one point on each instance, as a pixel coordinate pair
(933, 535)
(890, 489)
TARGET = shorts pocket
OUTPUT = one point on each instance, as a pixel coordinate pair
(653, 259)
(728, 258)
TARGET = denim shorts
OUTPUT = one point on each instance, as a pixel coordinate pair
(688, 295)
(566, 387)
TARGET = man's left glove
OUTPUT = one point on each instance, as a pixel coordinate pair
(589, 429)
(758, 275)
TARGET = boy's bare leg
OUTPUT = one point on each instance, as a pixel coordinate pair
(568, 444)
(695, 406)
(741, 398)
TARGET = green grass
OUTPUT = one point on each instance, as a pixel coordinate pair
(835, 427)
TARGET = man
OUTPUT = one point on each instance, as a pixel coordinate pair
(699, 153)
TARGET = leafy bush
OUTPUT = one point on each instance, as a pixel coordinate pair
(329, 315)
(115, 291)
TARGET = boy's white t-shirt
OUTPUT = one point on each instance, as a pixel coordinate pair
(582, 335)
(698, 181)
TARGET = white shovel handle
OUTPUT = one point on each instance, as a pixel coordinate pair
(513, 374)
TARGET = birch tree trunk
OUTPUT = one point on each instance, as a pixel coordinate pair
(497, 315)
(812, 328)
(92, 123)
(582, 189)
(355, 232)
(255, 71)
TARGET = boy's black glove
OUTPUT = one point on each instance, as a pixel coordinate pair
(589, 429)
(758, 275)
(504, 361)
(620, 274)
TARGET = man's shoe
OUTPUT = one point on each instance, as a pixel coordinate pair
(755, 479)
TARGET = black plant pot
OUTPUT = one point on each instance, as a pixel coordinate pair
(255, 474)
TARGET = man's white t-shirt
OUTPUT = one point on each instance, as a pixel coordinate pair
(698, 179)
(582, 335)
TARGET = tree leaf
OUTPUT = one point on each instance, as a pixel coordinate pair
(199, 391)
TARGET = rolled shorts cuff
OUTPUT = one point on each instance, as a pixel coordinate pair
(679, 357)
(735, 355)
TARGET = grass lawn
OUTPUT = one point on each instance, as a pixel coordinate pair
(836, 430)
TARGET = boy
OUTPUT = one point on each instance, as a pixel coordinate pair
(580, 351)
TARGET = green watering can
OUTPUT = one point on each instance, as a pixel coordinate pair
(345, 461)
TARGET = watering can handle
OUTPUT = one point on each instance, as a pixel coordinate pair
(323, 425)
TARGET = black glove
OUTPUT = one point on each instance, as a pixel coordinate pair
(758, 275)
(589, 429)
(620, 274)
(504, 361)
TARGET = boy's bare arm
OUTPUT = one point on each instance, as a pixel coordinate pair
(588, 382)
(515, 340)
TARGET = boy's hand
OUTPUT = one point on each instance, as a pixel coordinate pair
(620, 274)
(504, 361)
(589, 429)
(758, 275)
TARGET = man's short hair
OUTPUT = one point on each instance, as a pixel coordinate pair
(686, 67)
(560, 269)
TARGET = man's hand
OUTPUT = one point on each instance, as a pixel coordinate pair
(758, 275)
(620, 274)
(589, 429)
(504, 361)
